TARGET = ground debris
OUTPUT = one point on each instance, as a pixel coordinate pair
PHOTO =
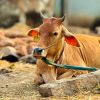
(65, 87)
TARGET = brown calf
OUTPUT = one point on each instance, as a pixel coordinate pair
(67, 48)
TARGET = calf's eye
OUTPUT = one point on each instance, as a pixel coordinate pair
(55, 33)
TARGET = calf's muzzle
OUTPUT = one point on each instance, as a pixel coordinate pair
(37, 52)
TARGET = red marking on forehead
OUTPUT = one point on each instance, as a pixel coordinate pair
(46, 27)
(48, 20)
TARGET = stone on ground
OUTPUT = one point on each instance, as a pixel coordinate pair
(65, 87)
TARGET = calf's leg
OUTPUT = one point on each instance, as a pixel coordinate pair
(50, 74)
(71, 73)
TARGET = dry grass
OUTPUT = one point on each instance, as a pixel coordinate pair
(17, 66)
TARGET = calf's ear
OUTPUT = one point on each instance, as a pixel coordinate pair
(33, 32)
(70, 38)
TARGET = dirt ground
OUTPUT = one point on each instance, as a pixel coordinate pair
(17, 83)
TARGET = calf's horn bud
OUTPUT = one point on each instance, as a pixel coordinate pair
(43, 15)
(62, 19)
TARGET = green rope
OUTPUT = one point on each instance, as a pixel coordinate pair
(68, 66)
(39, 50)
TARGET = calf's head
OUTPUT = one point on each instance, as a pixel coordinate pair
(52, 34)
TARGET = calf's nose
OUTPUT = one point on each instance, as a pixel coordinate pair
(37, 52)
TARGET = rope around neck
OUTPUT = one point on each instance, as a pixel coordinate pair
(44, 59)
(68, 66)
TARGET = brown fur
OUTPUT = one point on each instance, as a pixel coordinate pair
(86, 53)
